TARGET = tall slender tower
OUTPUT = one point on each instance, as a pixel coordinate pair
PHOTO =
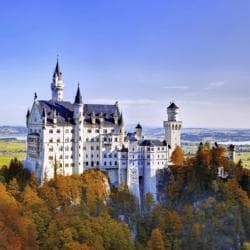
(57, 85)
(78, 132)
(172, 128)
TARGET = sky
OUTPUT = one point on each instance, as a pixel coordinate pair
(143, 54)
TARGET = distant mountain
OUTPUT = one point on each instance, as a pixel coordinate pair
(8, 130)
(187, 135)
(201, 134)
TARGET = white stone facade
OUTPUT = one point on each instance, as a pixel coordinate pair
(67, 138)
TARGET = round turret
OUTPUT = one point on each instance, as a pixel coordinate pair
(173, 112)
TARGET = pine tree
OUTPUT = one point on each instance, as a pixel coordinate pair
(156, 241)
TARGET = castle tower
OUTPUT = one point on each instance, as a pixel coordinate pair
(57, 85)
(172, 128)
(138, 132)
(231, 152)
(78, 132)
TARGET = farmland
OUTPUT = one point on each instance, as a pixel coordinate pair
(10, 149)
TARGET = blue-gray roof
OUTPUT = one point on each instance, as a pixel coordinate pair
(153, 143)
(65, 112)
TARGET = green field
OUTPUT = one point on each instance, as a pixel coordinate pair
(10, 150)
(245, 157)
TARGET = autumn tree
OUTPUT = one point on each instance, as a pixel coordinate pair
(156, 241)
(177, 157)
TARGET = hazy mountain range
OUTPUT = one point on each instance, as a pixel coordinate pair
(188, 134)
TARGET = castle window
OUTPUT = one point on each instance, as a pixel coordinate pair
(92, 139)
(104, 156)
(58, 131)
(87, 156)
(97, 147)
(66, 157)
(110, 163)
(105, 131)
(50, 158)
(87, 163)
(115, 163)
(92, 156)
(72, 164)
(116, 139)
(50, 149)
(97, 131)
(84, 148)
(72, 131)
(60, 157)
(104, 138)
(89, 130)
(97, 163)
(50, 140)
(92, 164)
(105, 163)
(115, 155)
(66, 131)
(58, 140)
(97, 139)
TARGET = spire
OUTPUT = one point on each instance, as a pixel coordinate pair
(57, 71)
(28, 113)
(44, 113)
(78, 98)
(57, 85)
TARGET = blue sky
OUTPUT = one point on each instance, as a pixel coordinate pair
(142, 53)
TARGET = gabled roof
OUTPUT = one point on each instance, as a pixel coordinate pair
(65, 112)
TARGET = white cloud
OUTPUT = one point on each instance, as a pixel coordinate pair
(213, 85)
(125, 101)
(180, 87)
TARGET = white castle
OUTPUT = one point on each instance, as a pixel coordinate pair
(67, 138)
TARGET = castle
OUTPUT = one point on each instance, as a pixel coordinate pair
(67, 138)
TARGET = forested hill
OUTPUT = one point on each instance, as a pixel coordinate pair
(197, 209)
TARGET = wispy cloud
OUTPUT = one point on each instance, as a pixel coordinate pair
(177, 87)
(125, 101)
(214, 85)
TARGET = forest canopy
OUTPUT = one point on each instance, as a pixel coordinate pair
(196, 208)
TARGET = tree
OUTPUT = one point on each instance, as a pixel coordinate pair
(177, 157)
(156, 241)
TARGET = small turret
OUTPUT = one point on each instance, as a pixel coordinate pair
(93, 119)
(44, 117)
(116, 116)
(78, 104)
(138, 131)
(57, 85)
(27, 117)
(231, 152)
(54, 117)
